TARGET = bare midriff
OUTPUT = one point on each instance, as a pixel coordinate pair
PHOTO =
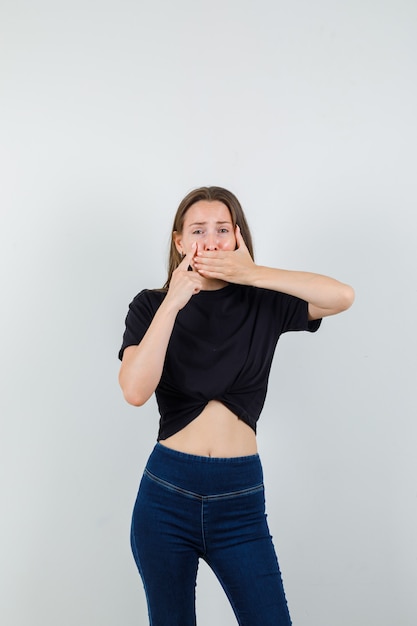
(216, 432)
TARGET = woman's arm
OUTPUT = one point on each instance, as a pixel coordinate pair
(142, 365)
(325, 295)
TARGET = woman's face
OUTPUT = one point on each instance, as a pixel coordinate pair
(209, 224)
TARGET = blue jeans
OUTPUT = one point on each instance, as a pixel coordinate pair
(191, 507)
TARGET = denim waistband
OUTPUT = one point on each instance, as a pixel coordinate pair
(205, 475)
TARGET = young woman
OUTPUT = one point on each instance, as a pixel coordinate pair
(204, 344)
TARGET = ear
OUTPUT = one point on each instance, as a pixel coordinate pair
(176, 238)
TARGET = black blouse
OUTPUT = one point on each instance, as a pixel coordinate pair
(221, 348)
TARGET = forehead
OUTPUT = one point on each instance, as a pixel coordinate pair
(207, 211)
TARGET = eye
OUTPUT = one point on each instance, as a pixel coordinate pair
(197, 231)
(224, 230)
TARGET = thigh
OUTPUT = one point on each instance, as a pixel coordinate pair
(242, 555)
(165, 545)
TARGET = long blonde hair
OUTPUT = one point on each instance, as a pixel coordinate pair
(210, 194)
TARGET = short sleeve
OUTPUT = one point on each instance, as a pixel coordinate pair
(294, 313)
(139, 317)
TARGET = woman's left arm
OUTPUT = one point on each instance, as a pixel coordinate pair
(325, 296)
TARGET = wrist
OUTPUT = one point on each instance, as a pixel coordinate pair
(269, 277)
(169, 307)
(257, 275)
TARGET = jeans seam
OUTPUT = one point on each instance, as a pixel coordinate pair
(203, 535)
(171, 487)
(139, 566)
(191, 494)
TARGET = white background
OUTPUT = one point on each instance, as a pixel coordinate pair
(110, 113)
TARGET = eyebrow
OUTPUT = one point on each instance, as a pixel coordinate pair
(204, 223)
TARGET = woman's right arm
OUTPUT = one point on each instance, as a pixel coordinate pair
(142, 365)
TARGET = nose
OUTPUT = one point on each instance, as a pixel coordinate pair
(211, 243)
